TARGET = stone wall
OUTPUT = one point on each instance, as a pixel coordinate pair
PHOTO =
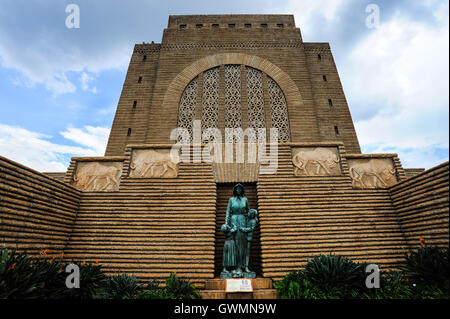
(166, 68)
(421, 203)
(307, 209)
(410, 172)
(163, 219)
(160, 220)
(36, 212)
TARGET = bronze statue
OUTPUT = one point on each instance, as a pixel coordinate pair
(252, 221)
(229, 248)
(239, 232)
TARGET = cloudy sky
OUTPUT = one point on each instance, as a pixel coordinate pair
(59, 87)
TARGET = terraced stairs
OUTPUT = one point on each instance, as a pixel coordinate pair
(151, 227)
(301, 217)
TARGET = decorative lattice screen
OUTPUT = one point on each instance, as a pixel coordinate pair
(186, 109)
(255, 98)
(233, 111)
(278, 110)
(232, 103)
(210, 100)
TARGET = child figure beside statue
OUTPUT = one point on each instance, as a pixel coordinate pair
(238, 230)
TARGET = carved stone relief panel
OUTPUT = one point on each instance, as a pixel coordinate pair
(153, 163)
(372, 172)
(316, 161)
(97, 176)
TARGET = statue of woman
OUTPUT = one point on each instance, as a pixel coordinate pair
(237, 207)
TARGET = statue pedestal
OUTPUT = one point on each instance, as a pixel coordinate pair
(216, 289)
(226, 275)
(231, 275)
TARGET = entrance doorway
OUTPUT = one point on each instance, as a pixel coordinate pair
(224, 192)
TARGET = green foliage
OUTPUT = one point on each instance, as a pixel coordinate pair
(331, 276)
(295, 286)
(177, 288)
(393, 285)
(429, 267)
(425, 276)
(92, 281)
(122, 286)
(336, 275)
(289, 286)
(24, 277)
(429, 292)
(324, 277)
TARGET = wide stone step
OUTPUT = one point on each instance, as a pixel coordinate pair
(262, 289)
(220, 284)
(256, 294)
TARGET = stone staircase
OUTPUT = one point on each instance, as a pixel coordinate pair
(150, 227)
(262, 289)
(301, 217)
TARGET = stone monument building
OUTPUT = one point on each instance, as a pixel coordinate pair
(138, 210)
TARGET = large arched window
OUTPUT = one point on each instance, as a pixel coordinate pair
(234, 96)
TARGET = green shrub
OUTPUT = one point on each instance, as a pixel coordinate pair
(122, 286)
(92, 282)
(177, 288)
(324, 277)
(152, 291)
(429, 292)
(336, 275)
(393, 285)
(429, 266)
(22, 277)
(295, 286)
(425, 276)
(289, 286)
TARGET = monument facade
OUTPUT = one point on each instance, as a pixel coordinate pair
(159, 202)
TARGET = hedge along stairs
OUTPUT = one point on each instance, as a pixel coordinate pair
(151, 227)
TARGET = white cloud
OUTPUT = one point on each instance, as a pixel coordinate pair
(34, 149)
(85, 79)
(404, 62)
(59, 84)
(94, 138)
(306, 11)
(400, 73)
(36, 43)
(418, 157)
